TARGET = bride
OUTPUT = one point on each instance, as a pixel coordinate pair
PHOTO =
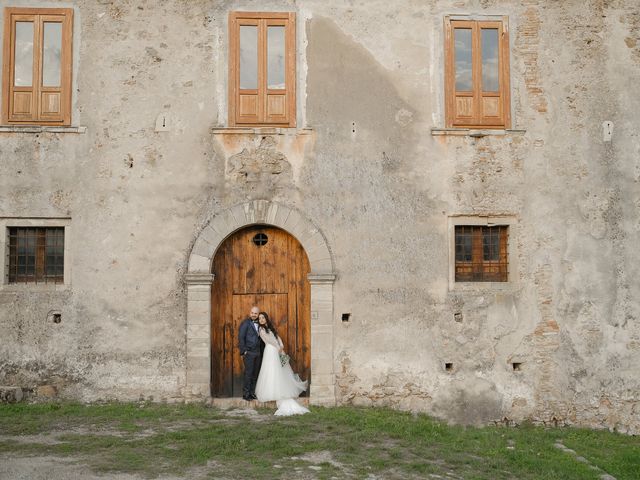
(276, 381)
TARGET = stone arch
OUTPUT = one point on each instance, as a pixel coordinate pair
(199, 280)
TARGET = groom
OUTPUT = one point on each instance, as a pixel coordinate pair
(250, 345)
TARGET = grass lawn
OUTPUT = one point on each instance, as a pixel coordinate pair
(151, 440)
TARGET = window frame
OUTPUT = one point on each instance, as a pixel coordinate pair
(488, 220)
(38, 16)
(262, 20)
(478, 268)
(476, 120)
(30, 222)
(42, 240)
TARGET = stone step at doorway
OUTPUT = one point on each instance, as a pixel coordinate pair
(239, 402)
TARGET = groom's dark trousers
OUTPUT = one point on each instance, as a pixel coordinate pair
(249, 343)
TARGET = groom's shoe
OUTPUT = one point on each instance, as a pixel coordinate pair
(253, 397)
(247, 398)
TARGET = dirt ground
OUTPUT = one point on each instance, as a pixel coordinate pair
(73, 467)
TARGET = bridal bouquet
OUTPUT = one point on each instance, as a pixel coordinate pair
(284, 359)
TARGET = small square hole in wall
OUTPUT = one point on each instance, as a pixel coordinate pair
(457, 317)
(346, 317)
(54, 316)
(448, 367)
(517, 366)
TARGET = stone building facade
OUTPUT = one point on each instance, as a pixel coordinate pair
(151, 172)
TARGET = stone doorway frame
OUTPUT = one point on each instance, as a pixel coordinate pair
(199, 279)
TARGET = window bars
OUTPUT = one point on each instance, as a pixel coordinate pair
(36, 255)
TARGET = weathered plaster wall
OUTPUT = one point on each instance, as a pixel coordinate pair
(381, 188)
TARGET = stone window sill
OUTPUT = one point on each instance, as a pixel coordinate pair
(483, 287)
(261, 131)
(9, 288)
(475, 133)
(41, 129)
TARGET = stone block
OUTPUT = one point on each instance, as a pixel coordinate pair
(198, 263)
(315, 246)
(195, 330)
(47, 391)
(320, 329)
(323, 374)
(321, 265)
(321, 298)
(199, 281)
(199, 319)
(198, 376)
(198, 348)
(198, 369)
(211, 236)
(291, 224)
(322, 321)
(307, 232)
(271, 213)
(281, 215)
(226, 223)
(199, 294)
(242, 215)
(198, 314)
(256, 211)
(198, 362)
(322, 395)
(320, 356)
(203, 248)
(198, 308)
(321, 350)
(11, 394)
(197, 391)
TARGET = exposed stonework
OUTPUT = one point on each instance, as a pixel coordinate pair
(263, 164)
(528, 42)
(10, 394)
(149, 180)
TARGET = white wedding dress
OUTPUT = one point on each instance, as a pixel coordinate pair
(277, 382)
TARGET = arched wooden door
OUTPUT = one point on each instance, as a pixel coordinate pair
(267, 267)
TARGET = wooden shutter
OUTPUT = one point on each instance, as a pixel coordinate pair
(461, 104)
(261, 105)
(19, 100)
(246, 101)
(476, 107)
(492, 111)
(37, 103)
(54, 100)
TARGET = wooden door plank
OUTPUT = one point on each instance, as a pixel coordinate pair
(222, 337)
(273, 261)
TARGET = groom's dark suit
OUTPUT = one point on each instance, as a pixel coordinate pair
(251, 347)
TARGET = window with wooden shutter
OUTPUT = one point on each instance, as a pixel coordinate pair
(262, 69)
(36, 80)
(481, 253)
(477, 73)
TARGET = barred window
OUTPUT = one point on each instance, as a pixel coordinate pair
(36, 254)
(481, 253)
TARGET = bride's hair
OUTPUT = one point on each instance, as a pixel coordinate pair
(269, 326)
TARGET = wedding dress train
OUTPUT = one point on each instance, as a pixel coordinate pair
(278, 382)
